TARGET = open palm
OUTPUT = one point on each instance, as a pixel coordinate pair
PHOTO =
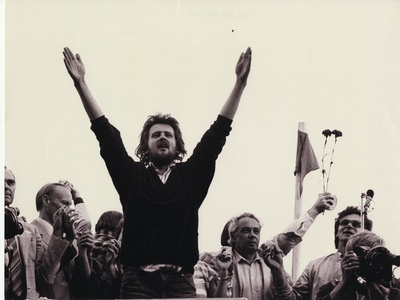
(74, 65)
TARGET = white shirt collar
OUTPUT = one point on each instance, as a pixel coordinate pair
(163, 176)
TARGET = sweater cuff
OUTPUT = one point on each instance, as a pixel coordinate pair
(98, 119)
(224, 120)
(98, 122)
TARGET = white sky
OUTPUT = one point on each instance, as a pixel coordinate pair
(330, 64)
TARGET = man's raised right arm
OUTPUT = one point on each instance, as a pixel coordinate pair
(76, 70)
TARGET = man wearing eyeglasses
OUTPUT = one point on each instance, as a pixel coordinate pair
(325, 269)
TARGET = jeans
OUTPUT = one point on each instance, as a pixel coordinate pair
(139, 284)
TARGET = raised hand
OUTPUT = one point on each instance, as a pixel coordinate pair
(85, 241)
(63, 223)
(242, 72)
(74, 192)
(325, 201)
(243, 66)
(272, 256)
(76, 70)
(224, 258)
(74, 65)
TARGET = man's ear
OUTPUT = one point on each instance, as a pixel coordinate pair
(45, 200)
(231, 240)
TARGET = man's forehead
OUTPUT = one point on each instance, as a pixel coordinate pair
(8, 174)
(161, 127)
(61, 190)
(352, 217)
(248, 222)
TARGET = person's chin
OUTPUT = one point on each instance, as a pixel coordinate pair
(7, 200)
(162, 159)
(347, 235)
(253, 245)
(163, 153)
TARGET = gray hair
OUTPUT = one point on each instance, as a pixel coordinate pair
(235, 220)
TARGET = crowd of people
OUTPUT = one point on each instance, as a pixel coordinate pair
(57, 256)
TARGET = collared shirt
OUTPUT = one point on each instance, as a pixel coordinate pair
(318, 273)
(251, 276)
(163, 176)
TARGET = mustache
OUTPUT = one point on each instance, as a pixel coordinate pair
(162, 143)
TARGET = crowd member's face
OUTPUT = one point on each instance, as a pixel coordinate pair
(162, 144)
(61, 196)
(247, 237)
(348, 226)
(9, 187)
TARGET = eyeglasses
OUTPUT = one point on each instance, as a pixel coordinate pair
(354, 223)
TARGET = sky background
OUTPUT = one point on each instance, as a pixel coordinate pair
(330, 64)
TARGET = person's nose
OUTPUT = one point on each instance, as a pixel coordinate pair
(252, 234)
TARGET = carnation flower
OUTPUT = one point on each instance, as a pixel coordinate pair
(327, 132)
(337, 133)
(326, 174)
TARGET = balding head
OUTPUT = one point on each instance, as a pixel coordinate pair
(9, 186)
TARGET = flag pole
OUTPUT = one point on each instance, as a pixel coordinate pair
(298, 203)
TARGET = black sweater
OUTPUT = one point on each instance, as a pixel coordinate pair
(161, 220)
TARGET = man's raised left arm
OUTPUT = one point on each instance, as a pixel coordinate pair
(242, 72)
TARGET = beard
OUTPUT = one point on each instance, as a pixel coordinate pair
(161, 159)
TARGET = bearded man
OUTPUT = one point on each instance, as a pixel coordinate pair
(160, 195)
